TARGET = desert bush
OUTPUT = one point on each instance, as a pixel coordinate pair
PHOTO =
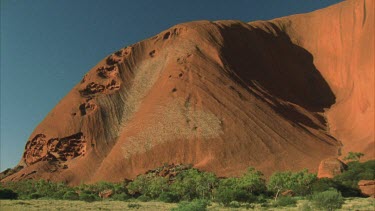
(101, 186)
(35, 196)
(353, 156)
(242, 189)
(328, 200)
(357, 171)
(285, 201)
(169, 197)
(149, 185)
(144, 198)
(323, 184)
(59, 194)
(299, 182)
(229, 190)
(70, 195)
(26, 189)
(88, 197)
(234, 204)
(8, 194)
(252, 182)
(196, 205)
(120, 197)
(191, 183)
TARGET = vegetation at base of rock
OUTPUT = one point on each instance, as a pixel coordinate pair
(194, 188)
(285, 201)
(328, 200)
(196, 205)
(88, 197)
(71, 195)
(357, 171)
(246, 188)
(300, 183)
(8, 194)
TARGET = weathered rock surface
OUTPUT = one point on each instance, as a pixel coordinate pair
(224, 95)
(367, 187)
(331, 167)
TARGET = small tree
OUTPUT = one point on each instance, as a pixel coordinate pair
(354, 156)
(148, 185)
(280, 181)
(138, 185)
(242, 189)
(192, 183)
(252, 181)
(299, 182)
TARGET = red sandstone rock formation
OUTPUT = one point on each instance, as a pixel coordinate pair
(330, 167)
(224, 95)
(367, 187)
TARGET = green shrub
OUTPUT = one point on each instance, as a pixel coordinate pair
(144, 198)
(248, 206)
(347, 182)
(169, 197)
(252, 182)
(229, 190)
(234, 204)
(8, 194)
(35, 196)
(59, 194)
(328, 200)
(191, 183)
(134, 206)
(88, 197)
(98, 187)
(120, 197)
(323, 184)
(26, 189)
(195, 205)
(299, 182)
(70, 195)
(354, 156)
(285, 201)
(149, 185)
(242, 189)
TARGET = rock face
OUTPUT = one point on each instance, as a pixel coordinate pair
(330, 167)
(367, 187)
(224, 95)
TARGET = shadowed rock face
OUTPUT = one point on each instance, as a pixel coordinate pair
(225, 95)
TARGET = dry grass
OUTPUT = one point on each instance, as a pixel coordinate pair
(80, 205)
(359, 204)
(350, 204)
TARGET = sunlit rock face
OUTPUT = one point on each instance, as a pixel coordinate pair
(224, 95)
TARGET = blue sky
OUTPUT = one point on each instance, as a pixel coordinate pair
(48, 45)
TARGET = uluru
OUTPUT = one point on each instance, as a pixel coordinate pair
(282, 94)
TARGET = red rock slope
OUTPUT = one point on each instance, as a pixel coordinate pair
(224, 95)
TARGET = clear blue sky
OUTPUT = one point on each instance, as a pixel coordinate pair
(48, 45)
